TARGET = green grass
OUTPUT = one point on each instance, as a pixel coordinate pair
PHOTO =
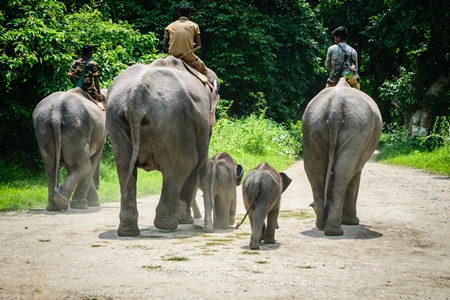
(430, 154)
(436, 162)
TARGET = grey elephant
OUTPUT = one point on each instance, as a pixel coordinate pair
(261, 191)
(158, 118)
(341, 130)
(70, 131)
(219, 181)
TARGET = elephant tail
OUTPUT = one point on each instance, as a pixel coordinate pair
(255, 194)
(56, 124)
(333, 126)
(134, 120)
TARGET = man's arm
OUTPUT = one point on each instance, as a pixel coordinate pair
(328, 60)
(97, 87)
(166, 43)
(197, 40)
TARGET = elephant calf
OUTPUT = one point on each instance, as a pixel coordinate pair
(219, 181)
(261, 190)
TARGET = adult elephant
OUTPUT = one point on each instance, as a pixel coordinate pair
(341, 130)
(70, 131)
(158, 118)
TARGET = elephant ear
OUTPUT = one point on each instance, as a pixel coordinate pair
(285, 181)
(239, 174)
(214, 101)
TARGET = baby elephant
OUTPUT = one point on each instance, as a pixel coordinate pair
(261, 190)
(219, 181)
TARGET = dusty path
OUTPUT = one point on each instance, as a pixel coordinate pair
(400, 250)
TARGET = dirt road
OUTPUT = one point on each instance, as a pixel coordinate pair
(400, 250)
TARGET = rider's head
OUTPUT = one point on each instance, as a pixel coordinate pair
(341, 32)
(184, 10)
(87, 50)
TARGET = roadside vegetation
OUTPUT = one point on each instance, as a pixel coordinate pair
(430, 153)
(249, 141)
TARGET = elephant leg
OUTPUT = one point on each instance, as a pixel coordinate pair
(50, 166)
(208, 203)
(166, 217)
(258, 229)
(316, 168)
(188, 193)
(74, 158)
(196, 209)
(92, 195)
(221, 212)
(79, 200)
(343, 170)
(351, 196)
(128, 215)
(233, 205)
(272, 224)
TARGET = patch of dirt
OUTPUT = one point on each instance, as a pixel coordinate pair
(401, 249)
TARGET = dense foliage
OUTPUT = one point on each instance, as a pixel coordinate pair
(268, 53)
(38, 43)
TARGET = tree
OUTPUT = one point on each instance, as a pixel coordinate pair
(268, 53)
(38, 43)
(421, 90)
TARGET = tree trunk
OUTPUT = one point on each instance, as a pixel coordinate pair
(421, 122)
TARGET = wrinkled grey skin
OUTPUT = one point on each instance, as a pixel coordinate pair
(70, 131)
(219, 181)
(341, 130)
(261, 191)
(158, 119)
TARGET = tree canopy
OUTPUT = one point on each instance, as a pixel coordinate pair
(269, 54)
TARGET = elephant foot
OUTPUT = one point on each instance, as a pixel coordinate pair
(167, 223)
(254, 246)
(79, 204)
(319, 224)
(93, 203)
(221, 225)
(128, 229)
(52, 207)
(350, 220)
(188, 219)
(60, 200)
(333, 231)
(269, 241)
(197, 214)
(232, 220)
(208, 229)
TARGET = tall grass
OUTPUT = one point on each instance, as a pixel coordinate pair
(250, 141)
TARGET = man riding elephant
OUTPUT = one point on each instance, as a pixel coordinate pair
(181, 36)
(85, 74)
